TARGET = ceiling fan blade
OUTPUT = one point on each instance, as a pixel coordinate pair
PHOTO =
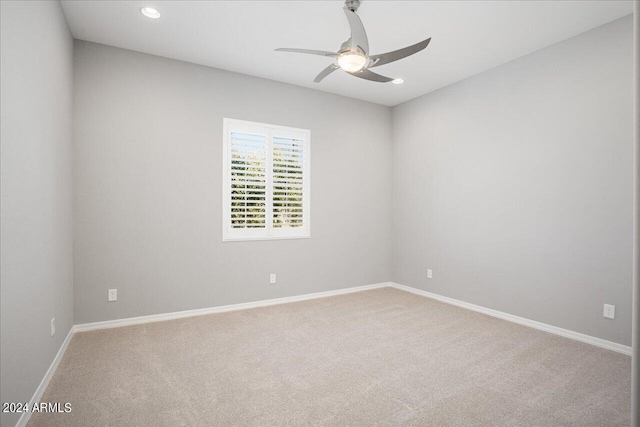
(324, 73)
(370, 75)
(358, 34)
(388, 57)
(308, 51)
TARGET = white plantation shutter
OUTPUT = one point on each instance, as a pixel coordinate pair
(288, 182)
(248, 180)
(266, 181)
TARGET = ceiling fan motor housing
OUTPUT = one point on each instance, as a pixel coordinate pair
(346, 47)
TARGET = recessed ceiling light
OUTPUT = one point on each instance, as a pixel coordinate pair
(150, 12)
(397, 81)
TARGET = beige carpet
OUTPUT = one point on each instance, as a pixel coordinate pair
(381, 357)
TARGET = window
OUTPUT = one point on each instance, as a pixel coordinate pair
(265, 182)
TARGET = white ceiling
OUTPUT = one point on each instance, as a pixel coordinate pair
(468, 37)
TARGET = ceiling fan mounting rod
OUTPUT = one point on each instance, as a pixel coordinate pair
(352, 5)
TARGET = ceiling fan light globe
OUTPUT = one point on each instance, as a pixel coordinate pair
(352, 62)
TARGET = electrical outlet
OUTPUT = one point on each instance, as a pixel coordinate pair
(53, 326)
(272, 278)
(113, 295)
(609, 311)
(429, 274)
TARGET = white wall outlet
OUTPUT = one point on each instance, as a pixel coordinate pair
(609, 311)
(113, 295)
(429, 274)
(53, 326)
(272, 278)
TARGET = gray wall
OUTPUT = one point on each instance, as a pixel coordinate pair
(515, 186)
(36, 217)
(635, 358)
(148, 178)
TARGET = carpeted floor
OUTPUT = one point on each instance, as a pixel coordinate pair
(380, 357)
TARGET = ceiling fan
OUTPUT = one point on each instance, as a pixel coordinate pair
(353, 56)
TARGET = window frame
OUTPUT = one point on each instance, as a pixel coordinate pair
(269, 232)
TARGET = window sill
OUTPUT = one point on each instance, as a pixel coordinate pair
(245, 239)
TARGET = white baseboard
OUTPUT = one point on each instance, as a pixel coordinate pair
(221, 309)
(24, 418)
(598, 342)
